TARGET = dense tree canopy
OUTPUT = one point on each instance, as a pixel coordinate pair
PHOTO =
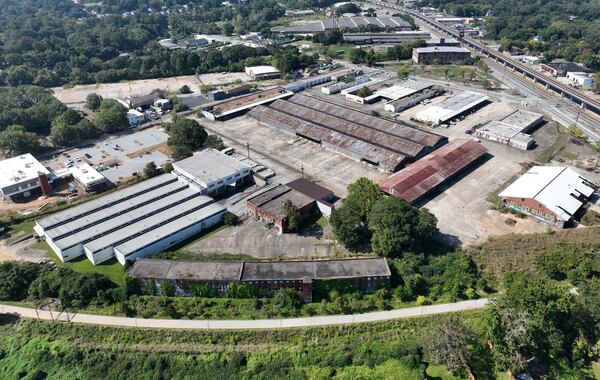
(111, 116)
(398, 226)
(569, 29)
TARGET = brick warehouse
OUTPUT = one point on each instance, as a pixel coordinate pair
(366, 274)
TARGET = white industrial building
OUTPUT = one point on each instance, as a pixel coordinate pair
(212, 172)
(552, 194)
(580, 78)
(451, 107)
(262, 72)
(512, 130)
(21, 177)
(87, 177)
(156, 213)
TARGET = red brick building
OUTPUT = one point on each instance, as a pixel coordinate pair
(268, 206)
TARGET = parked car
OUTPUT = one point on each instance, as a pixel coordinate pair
(88, 155)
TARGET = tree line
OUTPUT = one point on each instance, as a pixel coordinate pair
(52, 43)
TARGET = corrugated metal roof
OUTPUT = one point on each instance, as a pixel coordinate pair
(423, 176)
(106, 200)
(372, 135)
(395, 128)
(555, 187)
(357, 149)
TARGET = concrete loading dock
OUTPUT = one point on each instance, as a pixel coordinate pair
(377, 141)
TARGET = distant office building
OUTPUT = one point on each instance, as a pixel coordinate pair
(560, 68)
(385, 38)
(441, 55)
(513, 129)
(580, 79)
(23, 177)
(442, 41)
(212, 172)
(195, 43)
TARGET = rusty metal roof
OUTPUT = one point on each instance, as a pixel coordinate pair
(374, 136)
(369, 121)
(345, 144)
(421, 177)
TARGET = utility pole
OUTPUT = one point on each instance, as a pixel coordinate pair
(248, 149)
(302, 170)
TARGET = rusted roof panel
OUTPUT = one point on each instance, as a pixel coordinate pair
(385, 140)
(423, 176)
(369, 121)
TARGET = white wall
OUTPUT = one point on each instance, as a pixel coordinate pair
(100, 256)
(164, 244)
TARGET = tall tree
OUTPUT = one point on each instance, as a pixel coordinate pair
(398, 226)
(15, 140)
(111, 116)
(448, 344)
(292, 216)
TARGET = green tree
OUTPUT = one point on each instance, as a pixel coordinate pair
(534, 320)
(111, 116)
(93, 101)
(15, 140)
(150, 170)
(288, 299)
(167, 289)
(292, 216)
(403, 72)
(348, 227)
(364, 91)
(362, 195)
(398, 226)
(187, 133)
(185, 89)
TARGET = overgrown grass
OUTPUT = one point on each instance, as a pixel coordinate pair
(517, 253)
(111, 268)
(36, 349)
(555, 148)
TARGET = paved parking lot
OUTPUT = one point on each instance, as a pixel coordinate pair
(128, 154)
(254, 239)
(287, 155)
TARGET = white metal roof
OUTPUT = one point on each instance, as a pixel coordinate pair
(442, 49)
(555, 187)
(451, 107)
(261, 70)
(209, 166)
(20, 169)
(86, 174)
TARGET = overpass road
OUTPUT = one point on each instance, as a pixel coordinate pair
(566, 104)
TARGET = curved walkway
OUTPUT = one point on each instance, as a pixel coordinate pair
(246, 324)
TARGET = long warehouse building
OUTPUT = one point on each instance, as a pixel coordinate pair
(385, 144)
(137, 221)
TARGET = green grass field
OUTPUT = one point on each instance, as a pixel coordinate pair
(111, 269)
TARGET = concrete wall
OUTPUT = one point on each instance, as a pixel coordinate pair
(99, 256)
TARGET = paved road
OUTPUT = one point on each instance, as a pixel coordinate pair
(247, 324)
